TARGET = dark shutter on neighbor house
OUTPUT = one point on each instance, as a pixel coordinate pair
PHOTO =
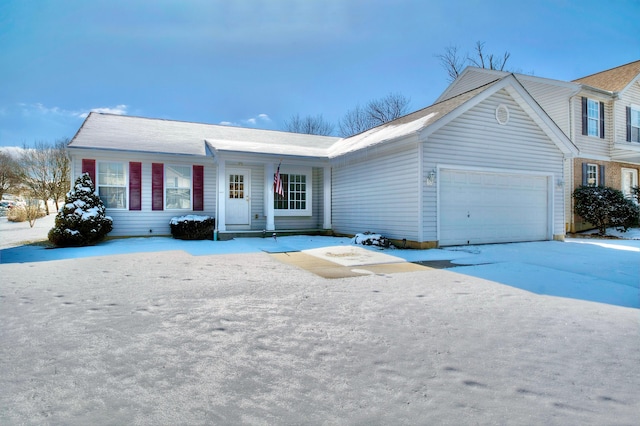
(89, 166)
(157, 186)
(628, 124)
(135, 186)
(601, 176)
(198, 188)
(602, 120)
(585, 121)
(585, 180)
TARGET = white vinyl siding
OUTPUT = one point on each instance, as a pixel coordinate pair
(139, 222)
(553, 99)
(476, 140)
(377, 192)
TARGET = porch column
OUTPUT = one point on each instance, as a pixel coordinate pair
(326, 177)
(222, 186)
(269, 171)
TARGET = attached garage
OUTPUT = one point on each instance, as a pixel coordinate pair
(482, 207)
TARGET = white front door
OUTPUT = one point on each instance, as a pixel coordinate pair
(238, 203)
(629, 180)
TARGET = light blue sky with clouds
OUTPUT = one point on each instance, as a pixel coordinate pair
(255, 63)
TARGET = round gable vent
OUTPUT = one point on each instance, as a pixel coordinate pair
(502, 114)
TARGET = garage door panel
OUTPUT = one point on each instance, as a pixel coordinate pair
(482, 207)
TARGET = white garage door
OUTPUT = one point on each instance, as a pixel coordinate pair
(483, 207)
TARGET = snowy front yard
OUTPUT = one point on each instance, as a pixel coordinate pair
(159, 331)
(171, 338)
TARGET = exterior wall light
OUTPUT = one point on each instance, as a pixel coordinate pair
(431, 178)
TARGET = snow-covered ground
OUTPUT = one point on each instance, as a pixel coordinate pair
(159, 331)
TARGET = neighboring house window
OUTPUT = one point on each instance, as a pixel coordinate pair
(112, 185)
(592, 118)
(177, 187)
(297, 194)
(633, 124)
(629, 180)
(592, 175)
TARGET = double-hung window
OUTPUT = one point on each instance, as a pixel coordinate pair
(592, 175)
(112, 185)
(593, 118)
(296, 184)
(177, 187)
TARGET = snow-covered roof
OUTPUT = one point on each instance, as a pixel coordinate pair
(404, 126)
(126, 133)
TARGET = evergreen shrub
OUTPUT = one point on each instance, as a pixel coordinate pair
(192, 227)
(81, 220)
(605, 207)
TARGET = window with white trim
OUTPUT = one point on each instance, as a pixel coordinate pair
(593, 118)
(592, 175)
(296, 184)
(177, 187)
(112, 185)
(635, 124)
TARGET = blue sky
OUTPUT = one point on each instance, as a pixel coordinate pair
(255, 63)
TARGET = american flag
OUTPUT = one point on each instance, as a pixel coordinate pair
(277, 183)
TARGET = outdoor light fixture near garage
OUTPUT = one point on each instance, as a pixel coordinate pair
(431, 178)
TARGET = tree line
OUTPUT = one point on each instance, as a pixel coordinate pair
(39, 172)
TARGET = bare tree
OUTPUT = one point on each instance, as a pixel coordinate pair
(375, 113)
(309, 125)
(9, 173)
(36, 171)
(60, 172)
(45, 171)
(454, 63)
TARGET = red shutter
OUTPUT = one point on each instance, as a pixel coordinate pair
(157, 186)
(135, 186)
(198, 188)
(89, 166)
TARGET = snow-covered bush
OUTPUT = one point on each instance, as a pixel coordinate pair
(605, 207)
(369, 239)
(81, 220)
(192, 227)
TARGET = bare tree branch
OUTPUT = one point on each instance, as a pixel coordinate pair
(309, 125)
(377, 112)
(454, 64)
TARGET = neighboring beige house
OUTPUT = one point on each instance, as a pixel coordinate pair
(600, 113)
